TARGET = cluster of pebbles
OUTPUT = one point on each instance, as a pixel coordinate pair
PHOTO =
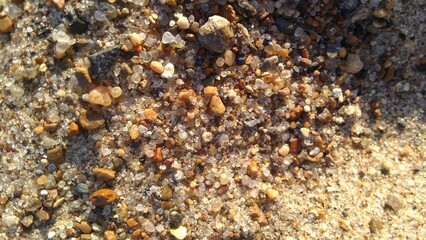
(143, 119)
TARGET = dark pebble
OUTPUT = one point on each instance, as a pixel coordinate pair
(101, 62)
(175, 219)
(240, 58)
(82, 188)
(78, 26)
(284, 25)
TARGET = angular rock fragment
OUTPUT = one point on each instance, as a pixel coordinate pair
(101, 62)
(216, 34)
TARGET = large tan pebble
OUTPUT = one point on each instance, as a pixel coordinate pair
(216, 106)
(103, 197)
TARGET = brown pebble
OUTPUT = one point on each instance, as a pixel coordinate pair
(134, 132)
(83, 76)
(59, 3)
(109, 235)
(216, 106)
(85, 227)
(156, 66)
(158, 155)
(271, 193)
(210, 90)
(252, 169)
(6, 24)
(39, 130)
(166, 192)
(104, 174)
(42, 180)
(103, 197)
(73, 129)
(56, 155)
(375, 225)
(222, 190)
(90, 120)
(150, 114)
(394, 202)
(43, 215)
(51, 127)
(131, 223)
(100, 96)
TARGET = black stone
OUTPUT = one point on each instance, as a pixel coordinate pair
(101, 62)
(175, 219)
(240, 58)
(284, 25)
(78, 26)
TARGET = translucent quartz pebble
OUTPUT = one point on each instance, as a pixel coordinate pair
(167, 38)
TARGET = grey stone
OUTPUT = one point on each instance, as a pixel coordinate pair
(216, 34)
(101, 62)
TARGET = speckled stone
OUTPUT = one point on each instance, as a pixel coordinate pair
(101, 62)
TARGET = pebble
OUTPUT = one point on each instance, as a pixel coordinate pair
(91, 120)
(131, 223)
(136, 39)
(83, 76)
(375, 225)
(158, 155)
(150, 114)
(77, 25)
(73, 129)
(271, 193)
(284, 25)
(100, 96)
(109, 235)
(104, 174)
(253, 169)
(216, 106)
(85, 227)
(115, 92)
(6, 24)
(11, 221)
(229, 58)
(56, 155)
(394, 202)
(42, 180)
(179, 233)
(82, 188)
(353, 64)
(134, 132)
(59, 3)
(101, 62)
(43, 215)
(169, 71)
(27, 221)
(207, 137)
(103, 197)
(210, 90)
(166, 192)
(175, 219)
(284, 150)
(38, 130)
(216, 34)
(183, 23)
(156, 66)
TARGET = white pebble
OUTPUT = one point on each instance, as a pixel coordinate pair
(183, 23)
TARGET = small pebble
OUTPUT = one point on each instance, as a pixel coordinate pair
(85, 227)
(104, 174)
(394, 202)
(82, 188)
(216, 34)
(156, 67)
(73, 129)
(272, 194)
(56, 155)
(42, 180)
(59, 3)
(210, 90)
(132, 223)
(100, 95)
(179, 233)
(375, 225)
(216, 106)
(6, 24)
(253, 169)
(109, 235)
(134, 132)
(150, 114)
(353, 64)
(183, 23)
(166, 192)
(83, 76)
(284, 150)
(103, 197)
(90, 120)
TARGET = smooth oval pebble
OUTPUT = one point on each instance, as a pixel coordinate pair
(103, 197)
(216, 106)
(104, 174)
(156, 66)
